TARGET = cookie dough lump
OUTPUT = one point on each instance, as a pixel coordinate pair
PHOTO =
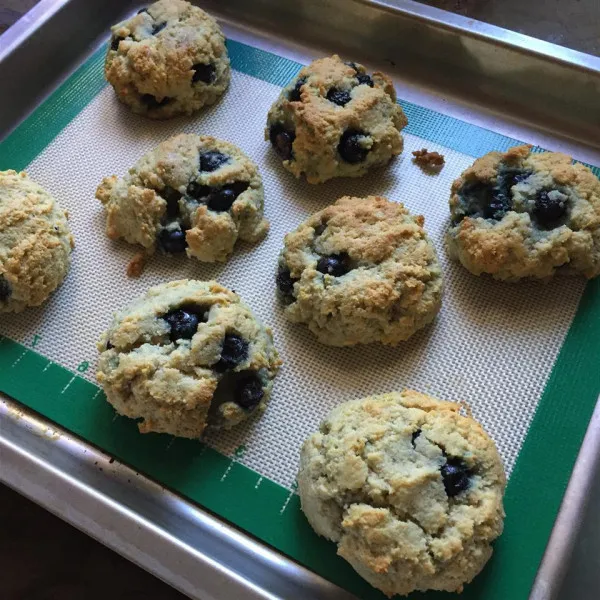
(186, 355)
(167, 60)
(35, 243)
(410, 490)
(193, 194)
(362, 270)
(335, 120)
(523, 214)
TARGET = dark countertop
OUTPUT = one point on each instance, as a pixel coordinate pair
(44, 558)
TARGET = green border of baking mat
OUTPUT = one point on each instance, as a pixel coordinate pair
(256, 504)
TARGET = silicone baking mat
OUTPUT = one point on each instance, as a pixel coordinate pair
(523, 356)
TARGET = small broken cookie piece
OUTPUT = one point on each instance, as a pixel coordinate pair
(192, 194)
(185, 356)
(408, 488)
(428, 161)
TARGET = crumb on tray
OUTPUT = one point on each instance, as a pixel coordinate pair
(432, 161)
(137, 264)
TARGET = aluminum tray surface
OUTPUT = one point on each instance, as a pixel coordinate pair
(251, 501)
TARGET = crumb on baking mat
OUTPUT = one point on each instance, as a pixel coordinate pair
(137, 264)
(429, 161)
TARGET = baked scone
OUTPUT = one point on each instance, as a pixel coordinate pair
(523, 214)
(193, 194)
(410, 490)
(35, 243)
(335, 120)
(185, 355)
(361, 270)
(167, 60)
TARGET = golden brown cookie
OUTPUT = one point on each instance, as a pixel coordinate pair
(523, 214)
(362, 270)
(335, 120)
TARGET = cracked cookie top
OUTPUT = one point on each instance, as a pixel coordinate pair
(167, 60)
(186, 355)
(409, 489)
(526, 214)
(335, 120)
(193, 194)
(362, 270)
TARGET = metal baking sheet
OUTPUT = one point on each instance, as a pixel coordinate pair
(174, 539)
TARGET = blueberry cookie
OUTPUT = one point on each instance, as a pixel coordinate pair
(335, 120)
(409, 490)
(193, 194)
(362, 270)
(186, 355)
(35, 243)
(524, 214)
(167, 60)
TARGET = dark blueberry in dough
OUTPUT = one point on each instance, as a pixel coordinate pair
(364, 79)
(414, 436)
(456, 476)
(109, 346)
(197, 191)
(172, 197)
(5, 290)
(294, 95)
(221, 200)
(142, 10)
(282, 141)
(184, 324)
(114, 43)
(338, 97)
(336, 264)
(204, 73)
(352, 64)
(212, 160)
(152, 103)
(249, 391)
(549, 211)
(172, 241)
(350, 148)
(235, 351)
(510, 177)
(157, 28)
(285, 282)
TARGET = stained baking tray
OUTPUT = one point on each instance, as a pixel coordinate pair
(467, 88)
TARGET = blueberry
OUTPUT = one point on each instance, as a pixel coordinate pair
(350, 148)
(184, 324)
(249, 391)
(414, 436)
(221, 200)
(172, 197)
(285, 282)
(235, 351)
(336, 264)
(152, 103)
(142, 10)
(364, 79)
(5, 289)
(157, 28)
(338, 97)
(282, 141)
(204, 73)
(550, 208)
(172, 240)
(197, 191)
(212, 160)
(456, 476)
(109, 346)
(114, 43)
(294, 95)
(352, 64)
